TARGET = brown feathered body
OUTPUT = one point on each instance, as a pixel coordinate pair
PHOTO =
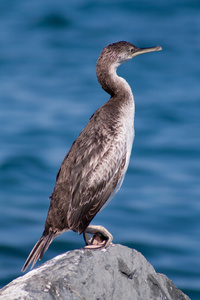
(94, 168)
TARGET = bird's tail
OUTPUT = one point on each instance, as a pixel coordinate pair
(39, 249)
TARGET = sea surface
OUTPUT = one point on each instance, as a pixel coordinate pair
(49, 90)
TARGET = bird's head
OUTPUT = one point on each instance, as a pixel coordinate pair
(121, 52)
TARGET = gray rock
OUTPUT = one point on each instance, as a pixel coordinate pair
(115, 273)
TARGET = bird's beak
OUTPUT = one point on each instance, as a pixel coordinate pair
(139, 51)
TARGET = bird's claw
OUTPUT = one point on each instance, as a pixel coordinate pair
(101, 238)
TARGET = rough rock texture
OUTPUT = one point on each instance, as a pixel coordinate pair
(115, 273)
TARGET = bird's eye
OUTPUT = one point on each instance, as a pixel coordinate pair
(132, 50)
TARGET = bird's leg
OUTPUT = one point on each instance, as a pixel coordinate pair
(101, 238)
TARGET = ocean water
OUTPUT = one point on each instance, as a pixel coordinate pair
(49, 90)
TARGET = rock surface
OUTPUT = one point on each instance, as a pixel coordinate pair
(115, 273)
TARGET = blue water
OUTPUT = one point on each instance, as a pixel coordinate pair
(48, 91)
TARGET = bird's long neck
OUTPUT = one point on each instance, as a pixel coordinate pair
(114, 85)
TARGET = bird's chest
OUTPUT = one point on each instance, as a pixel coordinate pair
(127, 118)
(126, 136)
(123, 144)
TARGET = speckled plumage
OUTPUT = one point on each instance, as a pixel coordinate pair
(94, 168)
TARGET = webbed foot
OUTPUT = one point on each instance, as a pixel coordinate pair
(101, 238)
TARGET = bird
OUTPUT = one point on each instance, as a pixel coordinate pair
(93, 170)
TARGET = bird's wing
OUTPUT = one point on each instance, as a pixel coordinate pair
(92, 169)
(93, 180)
